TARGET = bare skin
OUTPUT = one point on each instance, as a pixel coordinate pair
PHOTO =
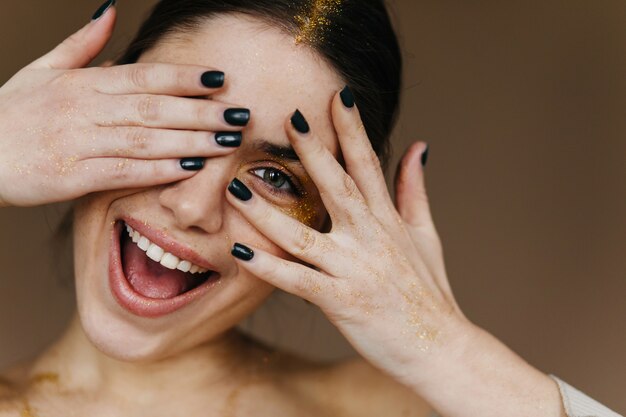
(104, 135)
(268, 383)
(112, 361)
(193, 363)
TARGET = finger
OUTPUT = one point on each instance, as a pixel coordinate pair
(168, 112)
(146, 143)
(362, 163)
(301, 241)
(82, 47)
(102, 174)
(411, 197)
(338, 191)
(291, 277)
(165, 79)
(414, 209)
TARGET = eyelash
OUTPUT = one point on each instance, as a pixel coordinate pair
(295, 189)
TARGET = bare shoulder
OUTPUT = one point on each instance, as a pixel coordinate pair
(356, 388)
(11, 381)
(8, 388)
(9, 398)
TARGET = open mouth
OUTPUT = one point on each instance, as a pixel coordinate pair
(150, 281)
(154, 273)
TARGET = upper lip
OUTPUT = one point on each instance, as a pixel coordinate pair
(162, 239)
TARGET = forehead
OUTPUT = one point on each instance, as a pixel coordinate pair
(266, 71)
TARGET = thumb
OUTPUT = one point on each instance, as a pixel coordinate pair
(411, 197)
(82, 47)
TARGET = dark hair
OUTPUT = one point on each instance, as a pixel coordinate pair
(355, 37)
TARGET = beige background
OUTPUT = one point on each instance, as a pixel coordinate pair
(524, 104)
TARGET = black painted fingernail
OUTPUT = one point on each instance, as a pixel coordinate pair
(213, 79)
(299, 122)
(242, 252)
(192, 164)
(102, 9)
(228, 139)
(239, 190)
(237, 117)
(347, 98)
(425, 156)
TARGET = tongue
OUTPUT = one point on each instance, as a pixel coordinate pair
(149, 278)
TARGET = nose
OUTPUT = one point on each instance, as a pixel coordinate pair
(199, 202)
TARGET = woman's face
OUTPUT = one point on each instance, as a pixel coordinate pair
(131, 307)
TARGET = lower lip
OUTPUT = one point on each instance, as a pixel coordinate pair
(136, 303)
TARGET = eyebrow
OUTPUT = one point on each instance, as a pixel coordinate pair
(279, 151)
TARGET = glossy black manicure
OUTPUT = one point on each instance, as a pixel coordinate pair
(347, 98)
(242, 252)
(213, 79)
(228, 139)
(239, 190)
(299, 122)
(425, 156)
(102, 9)
(237, 117)
(192, 164)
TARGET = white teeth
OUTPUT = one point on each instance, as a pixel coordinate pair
(143, 243)
(169, 261)
(157, 254)
(184, 266)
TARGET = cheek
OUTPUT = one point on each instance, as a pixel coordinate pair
(307, 211)
(90, 217)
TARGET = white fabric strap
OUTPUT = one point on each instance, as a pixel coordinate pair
(578, 404)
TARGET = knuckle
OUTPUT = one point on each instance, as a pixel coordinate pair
(350, 189)
(200, 111)
(305, 240)
(119, 175)
(306, 283)
(137, 138)
(148, 109)
(137, 76)
(121, 170)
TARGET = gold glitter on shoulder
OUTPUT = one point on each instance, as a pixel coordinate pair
(314, 21)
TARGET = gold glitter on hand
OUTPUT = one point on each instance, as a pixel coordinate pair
(316, 20)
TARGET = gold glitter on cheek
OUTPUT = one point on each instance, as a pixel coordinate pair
(304, 211)
(316, 20)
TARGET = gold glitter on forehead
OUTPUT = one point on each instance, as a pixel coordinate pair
(316, 19)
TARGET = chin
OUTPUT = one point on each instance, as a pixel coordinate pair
(135, 309)
(121, 340)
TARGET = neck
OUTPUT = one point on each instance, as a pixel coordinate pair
(77, 366)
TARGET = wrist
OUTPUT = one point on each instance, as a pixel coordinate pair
(471, 373)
